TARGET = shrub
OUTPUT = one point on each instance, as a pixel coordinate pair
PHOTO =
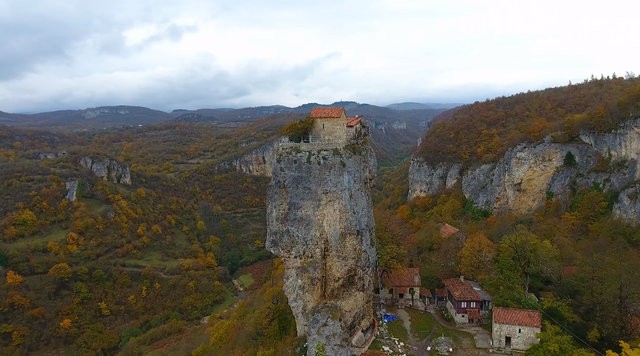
(296, 129)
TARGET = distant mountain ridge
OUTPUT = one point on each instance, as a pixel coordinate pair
(419, 106)
(90, 118)
(394, 132)
(124, 115)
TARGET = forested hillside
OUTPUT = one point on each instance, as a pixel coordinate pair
(124, 266)
(482, 132)
(579, 263)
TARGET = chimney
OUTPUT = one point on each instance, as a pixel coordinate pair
(461, 278)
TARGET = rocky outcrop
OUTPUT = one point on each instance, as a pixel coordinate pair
(72, 189)
(50, 155)
(320, 222)
(529, 173)
(519, 182)
(108, 169)
(622, 144)
(258, 162)
(426, 179)
(627, 207)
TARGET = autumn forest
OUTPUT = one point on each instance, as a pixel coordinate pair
(124, 268)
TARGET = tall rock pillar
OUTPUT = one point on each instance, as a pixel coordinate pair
(320, 223)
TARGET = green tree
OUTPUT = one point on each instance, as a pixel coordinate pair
(553, 341)
(320, 349)
(569, 159)
(296, 129)
(524, 254)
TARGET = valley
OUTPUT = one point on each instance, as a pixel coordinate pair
(532, 196)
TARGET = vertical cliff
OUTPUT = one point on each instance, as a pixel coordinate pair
(525, 175)
(320, 222)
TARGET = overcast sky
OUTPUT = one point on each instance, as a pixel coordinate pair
(191, 54)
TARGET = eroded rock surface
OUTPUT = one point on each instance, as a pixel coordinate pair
(108, 169)
(320, 222)
(530, 173)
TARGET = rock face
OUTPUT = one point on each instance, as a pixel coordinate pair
(429, 180)
(108, 169)
(258, 162)
(622, 144)
(519, 182)
(50, 155)
(528, 173)
(72, 189)
(320, 222)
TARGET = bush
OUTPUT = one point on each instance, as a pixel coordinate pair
(296, 129)
(569, 159)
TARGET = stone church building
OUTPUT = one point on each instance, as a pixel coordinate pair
(515, 329)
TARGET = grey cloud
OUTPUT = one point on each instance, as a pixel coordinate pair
(172, 32)
(22, 50)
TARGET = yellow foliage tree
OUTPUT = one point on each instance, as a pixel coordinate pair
(476, 256)
(104, 308)
(626, 350)
(26, 218)
(74, 240)
(61, 271)
(18, 300)
(66, 324)
(18, 335)
(13, 278)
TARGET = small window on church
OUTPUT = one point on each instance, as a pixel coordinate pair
(519, 331)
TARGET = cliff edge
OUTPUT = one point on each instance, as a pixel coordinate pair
(320, 223)
(526, 175)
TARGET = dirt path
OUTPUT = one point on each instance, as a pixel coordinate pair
(406, 321)
(481, 337)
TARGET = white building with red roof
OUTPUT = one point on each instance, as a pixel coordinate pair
(515, 329)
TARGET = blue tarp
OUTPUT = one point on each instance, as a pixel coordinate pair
(389, 318)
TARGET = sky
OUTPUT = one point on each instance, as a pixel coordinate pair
(189, 54)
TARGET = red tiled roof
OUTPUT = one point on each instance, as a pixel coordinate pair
(326, 113)
(409, 277)
(447, 230)
(426, 292)
(514, 316)
(461, 290)
(353, 121)
(441, 293)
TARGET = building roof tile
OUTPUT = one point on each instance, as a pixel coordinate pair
(353, 121)
(461, 289)
(326, 112)
(408, 277)
(519, 317)
(447, 230)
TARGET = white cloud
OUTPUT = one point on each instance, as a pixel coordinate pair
(192, 53)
